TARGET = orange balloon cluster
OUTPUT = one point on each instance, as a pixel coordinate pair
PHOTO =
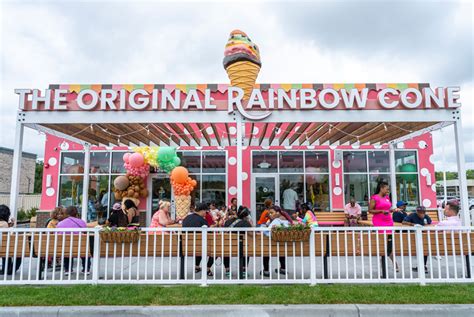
(182, 184)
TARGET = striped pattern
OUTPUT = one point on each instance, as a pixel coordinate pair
(223, 87)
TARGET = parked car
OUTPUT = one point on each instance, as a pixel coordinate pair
(471, 203)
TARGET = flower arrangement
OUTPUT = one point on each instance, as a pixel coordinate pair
(120, 234)
(298, 232)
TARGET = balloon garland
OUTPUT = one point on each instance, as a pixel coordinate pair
(182, 185)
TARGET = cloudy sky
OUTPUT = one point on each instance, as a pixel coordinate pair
(151, 42)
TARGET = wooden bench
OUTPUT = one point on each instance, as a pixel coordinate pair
(432, 213)
(327, 219)
(19, 241)
(67, 245)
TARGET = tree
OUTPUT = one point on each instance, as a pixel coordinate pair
(39, 177)
(454, 175)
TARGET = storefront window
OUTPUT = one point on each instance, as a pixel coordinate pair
(196, 193)
(317, 191)
(316, 162)
(191, 160)
(117, 163)
(291, 189)
(213, 162)
(70, 191)
(291, 162)
(98, 197)
(100, 162)
(264, 162)
(72, 163)
(375, 179)
(407, 189)
(379, 161)
(355, 185)
(213, 189)
(355, 162)
(405, 161)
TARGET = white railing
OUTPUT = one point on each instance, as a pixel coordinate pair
(25, 202)
(238, 256)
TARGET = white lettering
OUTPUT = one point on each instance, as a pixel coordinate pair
(290, 100)
(383, 102)
(256, 99)
(23, 96)
(59, 96)
(107, 98)
(192, 100)
(437, 97)
(307, 98)
(123, 99)
(87, 92)
(452, 96)
(407, 101)
(208, 100)
(142, 98)
(271, 98)
(329, 104)
(360, 100)
(154, 99)
(174, 101)
(236, 100)
(37, 98)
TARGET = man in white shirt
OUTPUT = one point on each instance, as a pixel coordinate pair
(290, 197)
(451, 212)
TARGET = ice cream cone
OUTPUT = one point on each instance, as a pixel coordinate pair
(183, 204)
(243, 74)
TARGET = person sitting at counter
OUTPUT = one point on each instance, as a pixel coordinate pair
(418, 218)
(400, 213)
(161, 218)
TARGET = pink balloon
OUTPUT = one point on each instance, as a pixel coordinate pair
(126, 157)
(136, 160)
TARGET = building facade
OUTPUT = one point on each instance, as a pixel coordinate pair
(28, 166)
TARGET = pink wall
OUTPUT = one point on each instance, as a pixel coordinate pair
(423, 144)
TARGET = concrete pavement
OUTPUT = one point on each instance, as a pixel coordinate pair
(350, 310)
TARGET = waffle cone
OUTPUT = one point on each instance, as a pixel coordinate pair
(183, 204)
(243, 74)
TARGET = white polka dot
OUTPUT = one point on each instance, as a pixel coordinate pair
(432, 159)
(287, 147)
(297, 128)
(422, 145)
(277, 131)
(426, 203)
(337, 191)
(185, 131)
(232, 130)
(233, 190)
(244, 147)
(198, 147)
(355, 145)
(336, 164)
(232, 160)
(50, 192)
(221, 147)
(400, 145)
(311, 147)
(377, 146)
(64, 145)
(433, 187)
(255, 131)
(52, 161)
(209, 130)
(333, 146)
(424, 171)
(245, 176)
(265, 147)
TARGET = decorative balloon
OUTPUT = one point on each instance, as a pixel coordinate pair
(135, 164)
(167, 158)
(179, 175)
(135, 187)
(121, 182)
(150, 154)
(408, 168)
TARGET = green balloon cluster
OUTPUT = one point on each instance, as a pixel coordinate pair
(408, 168)
(167, 158)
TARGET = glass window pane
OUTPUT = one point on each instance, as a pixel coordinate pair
(100, 162)
(355, 162)
(379, 161)
(98, 198)
(117, 162)
(264, 162)
(355, 185)
(161, 189)
(70, 191)
(316, 162)
(405, 161)
(374, 179)
(191, 160)
(72, 163)
(291, 162)
(213, 189)
(407, 189)
(196, 193)
(264, 189)
(291, 191)
(317, 191)
(213, 162)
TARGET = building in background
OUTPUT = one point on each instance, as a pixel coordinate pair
(28, 164)
(452, 188)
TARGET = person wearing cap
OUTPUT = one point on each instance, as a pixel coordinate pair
(417, 218)
(117, 217)
(197, 220)
(400, 213)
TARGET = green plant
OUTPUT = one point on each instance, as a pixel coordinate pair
(26, 214)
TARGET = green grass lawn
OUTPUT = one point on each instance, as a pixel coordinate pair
(195, 295)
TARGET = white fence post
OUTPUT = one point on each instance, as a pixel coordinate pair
(420, 255)
(204, 257)
(312, 258)
(96, 257)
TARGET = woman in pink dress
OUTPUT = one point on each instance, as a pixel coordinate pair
(162, 217)
(381, 208)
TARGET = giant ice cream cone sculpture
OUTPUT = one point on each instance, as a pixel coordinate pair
(242, 61)
(183, 185)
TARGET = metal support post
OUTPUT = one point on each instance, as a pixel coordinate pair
(16, 169)
(85, 184)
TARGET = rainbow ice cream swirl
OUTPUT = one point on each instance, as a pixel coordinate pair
(239, 47)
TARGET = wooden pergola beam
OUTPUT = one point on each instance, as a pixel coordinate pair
(288, 130)
(136, 132)
(334, 131)
(113, 129)
(262, 135)
(300, 131)
(321, 131)
(168, 133)
(192, 133)
(216, 134)
(272, 136)
(228, 133)
(204, 133)
(74, 130)
(179, 132)
(251, 133)
(158, 134)
(310, 131)
(361, 131)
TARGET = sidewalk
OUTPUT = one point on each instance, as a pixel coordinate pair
(351, 310)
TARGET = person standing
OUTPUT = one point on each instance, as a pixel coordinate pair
(380, 207)
(290, 197)
(197, 220)
(353, 212)
(240, 222)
